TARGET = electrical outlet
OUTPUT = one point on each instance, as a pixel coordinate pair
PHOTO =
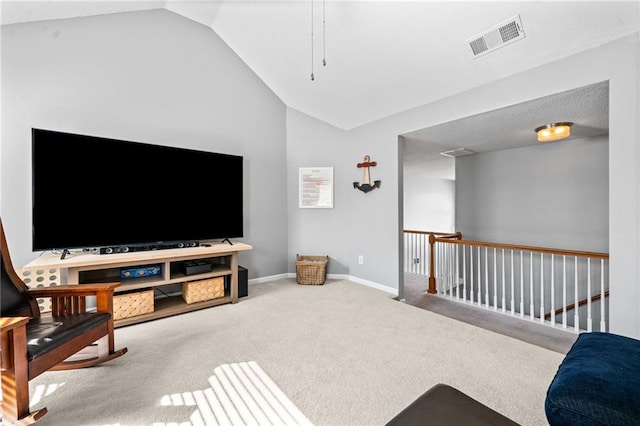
(416, 260)
(360, 260)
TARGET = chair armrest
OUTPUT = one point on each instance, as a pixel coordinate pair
(72, 290)
(10, 323)
(12, 334)
(69, 299)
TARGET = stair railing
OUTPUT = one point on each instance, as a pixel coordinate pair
(416, 250)
(522, 281)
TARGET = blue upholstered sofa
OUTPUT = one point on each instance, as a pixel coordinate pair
(597, 383)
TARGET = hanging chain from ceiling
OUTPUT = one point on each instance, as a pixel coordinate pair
(324, 38)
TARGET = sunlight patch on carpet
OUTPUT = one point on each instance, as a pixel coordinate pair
(41, 391)
(240, 394)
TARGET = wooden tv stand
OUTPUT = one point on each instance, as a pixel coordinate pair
(84, 267)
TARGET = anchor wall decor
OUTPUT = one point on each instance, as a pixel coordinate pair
(366, 184)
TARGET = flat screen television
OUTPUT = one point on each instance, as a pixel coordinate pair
(90, 192)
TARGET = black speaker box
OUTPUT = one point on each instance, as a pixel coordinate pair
(243, 282)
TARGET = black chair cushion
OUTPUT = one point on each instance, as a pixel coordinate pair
(47, 333)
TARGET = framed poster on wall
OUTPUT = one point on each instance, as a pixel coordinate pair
(315, 188)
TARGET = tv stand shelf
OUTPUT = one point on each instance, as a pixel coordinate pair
(83, 267)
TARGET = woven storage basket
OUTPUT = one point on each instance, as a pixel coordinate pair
(311, 269)
(132, 304)
(197, 291)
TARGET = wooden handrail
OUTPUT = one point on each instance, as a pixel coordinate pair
(594, 255)
(580, 303)
(410, 231)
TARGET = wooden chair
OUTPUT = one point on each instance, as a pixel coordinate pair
(31, 343)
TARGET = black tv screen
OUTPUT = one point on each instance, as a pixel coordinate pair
(91, 192)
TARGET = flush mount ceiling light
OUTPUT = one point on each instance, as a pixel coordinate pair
(554, 131)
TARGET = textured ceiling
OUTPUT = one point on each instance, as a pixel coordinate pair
(506, 128)
(385, 57)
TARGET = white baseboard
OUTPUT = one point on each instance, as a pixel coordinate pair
(269, 278)
(375, 285)
(356, 280)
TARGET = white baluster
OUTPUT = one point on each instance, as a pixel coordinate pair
(412, 253)
(471, 290)
(576, 313)
(406, 253)
(423, 249)
(457, 267)
(464, 272)
(504, 295)
(416, 243)
(553, 293)
(447, 266)
(427, 263)
(440, 270)
(438, 266)
(443, 272)
(412, 250)
(486, 276)
(603, 323)
(416, 253)
(521, 285)
(513, 301)
(479, 279)
(564, 291)
(532, 312)
(452, 278)
(541, 287)
(412, 243)
(589, 323)
(495, 280)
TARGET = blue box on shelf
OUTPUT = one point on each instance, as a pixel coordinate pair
(143, 271)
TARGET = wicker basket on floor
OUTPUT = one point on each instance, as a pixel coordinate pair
(311, 270)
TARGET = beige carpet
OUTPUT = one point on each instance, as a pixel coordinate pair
(342, 354)
(415, 287)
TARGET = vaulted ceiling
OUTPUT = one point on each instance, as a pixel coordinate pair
(382, 57)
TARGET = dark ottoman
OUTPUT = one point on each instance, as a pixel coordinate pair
(443, 405)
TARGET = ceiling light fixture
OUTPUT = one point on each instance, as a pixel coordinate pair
(554, 131)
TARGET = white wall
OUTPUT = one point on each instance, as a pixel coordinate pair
(359, 224)
(429, 203)
(379, 215)
(546, 195)
(152, 77)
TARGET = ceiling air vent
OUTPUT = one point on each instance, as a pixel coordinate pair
(496, 37)
(460, 152)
